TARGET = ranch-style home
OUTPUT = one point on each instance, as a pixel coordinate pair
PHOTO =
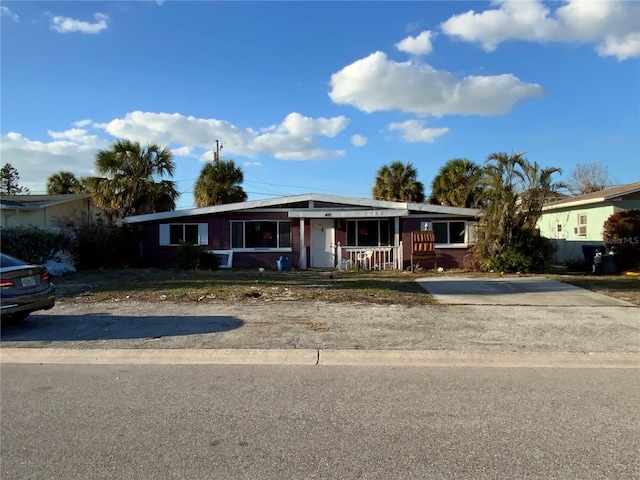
(310, 231)
(577, 222)
(47, 211)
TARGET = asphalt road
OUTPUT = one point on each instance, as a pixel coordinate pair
(286, 422)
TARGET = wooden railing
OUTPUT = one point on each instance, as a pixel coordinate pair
(369, 258)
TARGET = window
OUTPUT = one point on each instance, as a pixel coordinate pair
(193, 233)
(260, 234)
(582, 224)
(449, 232)
(368, 233)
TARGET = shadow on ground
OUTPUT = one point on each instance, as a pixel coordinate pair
(103, 326)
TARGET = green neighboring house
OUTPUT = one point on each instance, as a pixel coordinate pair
(576, 221)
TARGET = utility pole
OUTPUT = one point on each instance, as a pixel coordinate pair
(216, 154)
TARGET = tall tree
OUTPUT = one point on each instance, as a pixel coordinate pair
(9, 178)
(132, 181)
(219, 183)
(457, 184)
(398, 182)
(588, 178)
(63, 183)
(506, 237)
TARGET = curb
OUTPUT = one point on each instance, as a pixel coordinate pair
(416, 358)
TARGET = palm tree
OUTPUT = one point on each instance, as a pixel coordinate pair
(457, 184)
(219, 183)
(506, 235)
(398, 182)
(64, 183)
(129, 186)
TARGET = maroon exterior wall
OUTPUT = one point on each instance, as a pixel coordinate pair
(446, 258)
(220, 239)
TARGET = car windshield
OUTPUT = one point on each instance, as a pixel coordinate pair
(9, 261)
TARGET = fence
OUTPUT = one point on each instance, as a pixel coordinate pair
(369, 258)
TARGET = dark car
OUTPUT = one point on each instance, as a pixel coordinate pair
(24, 288)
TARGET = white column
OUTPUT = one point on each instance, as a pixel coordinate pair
(303, 248)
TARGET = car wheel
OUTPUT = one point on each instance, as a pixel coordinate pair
(15, 317)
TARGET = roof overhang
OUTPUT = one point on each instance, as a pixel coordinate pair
(315, 213)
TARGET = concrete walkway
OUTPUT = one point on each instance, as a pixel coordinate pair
(513, 291)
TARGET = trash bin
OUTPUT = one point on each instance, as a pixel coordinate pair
(284, 264)
(589, 252)
(608, 264)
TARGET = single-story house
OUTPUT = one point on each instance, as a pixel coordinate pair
(578, 221)
(47, 211)
(310, 231)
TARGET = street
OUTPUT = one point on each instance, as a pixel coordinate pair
(322, 422)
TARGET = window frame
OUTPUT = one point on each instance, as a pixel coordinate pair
(466, 239)
(356, 232)
(244, 248)
(165, 233)
(582, 226)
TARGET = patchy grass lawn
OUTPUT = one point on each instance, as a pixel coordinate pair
(249, 285)
(156, 285)
(621, 286)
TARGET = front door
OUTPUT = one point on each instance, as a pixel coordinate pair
(322, 243)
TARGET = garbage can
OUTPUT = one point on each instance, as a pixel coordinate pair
(589, 252)
(284, 264)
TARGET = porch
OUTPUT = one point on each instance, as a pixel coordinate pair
(369, 258)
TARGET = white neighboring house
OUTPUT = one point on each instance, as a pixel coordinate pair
(578, 221)
(47, 211)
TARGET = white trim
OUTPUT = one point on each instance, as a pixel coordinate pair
(280, 202)
(329, 214)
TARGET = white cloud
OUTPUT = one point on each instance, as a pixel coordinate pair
(413, 131)
(376, 83)
(420, 45)
(359, 140)
(68, 25)
(5, 12)
(35, 161)
(622, 48)
(252, 164)
(293, 139)
(613, 25)
(74, 149)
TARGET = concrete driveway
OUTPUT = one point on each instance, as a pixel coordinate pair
(513, 291)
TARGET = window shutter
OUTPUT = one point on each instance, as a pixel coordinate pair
(203, 233)
(164, 234)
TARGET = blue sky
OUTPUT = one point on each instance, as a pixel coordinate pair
(317, 96)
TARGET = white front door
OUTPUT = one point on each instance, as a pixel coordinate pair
(322, 243)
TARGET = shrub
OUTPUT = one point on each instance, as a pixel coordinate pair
(191, 257)
(105, 245)
(533, 254)
(622, 235)
(32, 244)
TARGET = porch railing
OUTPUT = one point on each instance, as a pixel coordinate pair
(369, 258)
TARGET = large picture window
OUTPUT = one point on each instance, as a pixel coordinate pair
(449, 232)
(368, 233)
(261, 234)
(193, 233)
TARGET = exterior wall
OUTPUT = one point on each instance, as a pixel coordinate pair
(446, 257)
(219, 238)
(80, 210)
(568, 242)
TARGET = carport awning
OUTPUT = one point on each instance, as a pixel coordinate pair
(315, 213)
